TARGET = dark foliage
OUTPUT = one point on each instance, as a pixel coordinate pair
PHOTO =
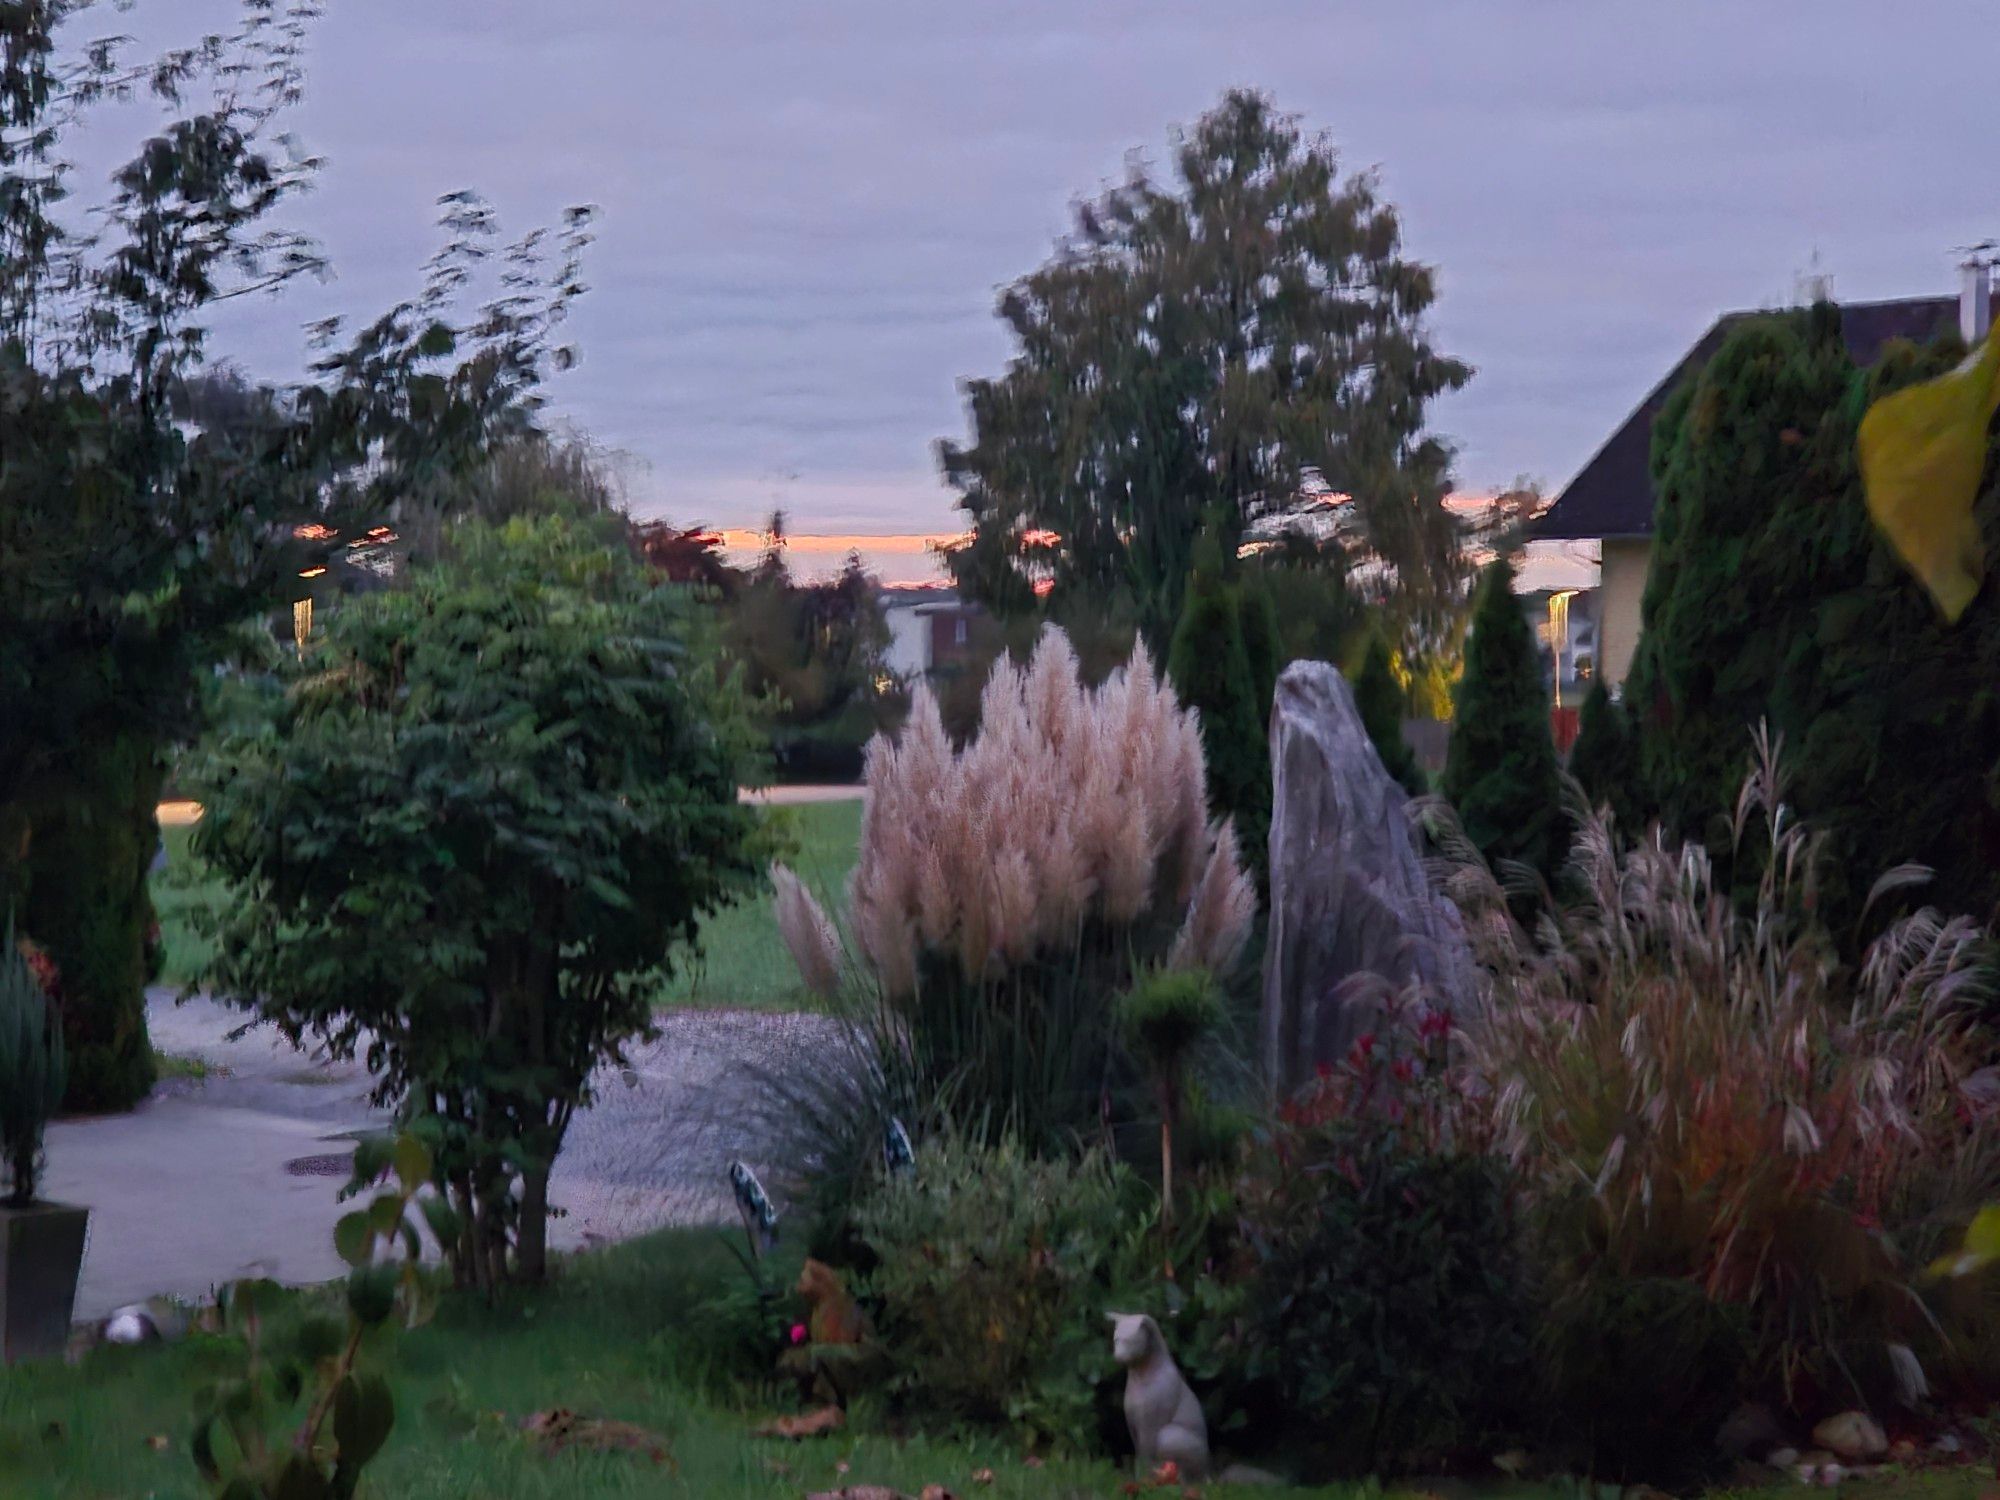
(1601, 759)
(1772, 596)
(1500, 772)
(472, 825)
(1193, 348)
(1379, 698)
(1210, 668)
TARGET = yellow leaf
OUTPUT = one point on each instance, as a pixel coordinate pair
(1922, 451)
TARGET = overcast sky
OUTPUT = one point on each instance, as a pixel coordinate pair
(807, 207)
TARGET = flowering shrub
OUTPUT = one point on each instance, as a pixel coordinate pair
(1391, 1303)
(1700, 1090)
(1005, 894)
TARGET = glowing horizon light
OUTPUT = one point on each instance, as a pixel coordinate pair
(311, 572)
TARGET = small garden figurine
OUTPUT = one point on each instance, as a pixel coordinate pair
(1163, 1413)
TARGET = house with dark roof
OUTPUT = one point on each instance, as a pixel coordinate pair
(1610, 501)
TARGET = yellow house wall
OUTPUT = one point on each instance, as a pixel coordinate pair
(1621, 584)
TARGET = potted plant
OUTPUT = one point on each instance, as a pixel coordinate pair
(41, 1244)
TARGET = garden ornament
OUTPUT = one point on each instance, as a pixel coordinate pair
(1165, 1418)
(760, 1217)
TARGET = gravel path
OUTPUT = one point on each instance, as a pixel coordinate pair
(235, 1172)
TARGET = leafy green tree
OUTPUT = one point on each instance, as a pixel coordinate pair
(1773, 597)
(812, 656)
(1500, 771)
(466, 832)
(149, 503)
(1379, 699)
(1601, 758)
(1198, 346)
(1210, 670)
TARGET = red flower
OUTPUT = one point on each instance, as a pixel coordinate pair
(1402, 1070)
(798, 1333)
(1323, 1071)
(1435, 1026)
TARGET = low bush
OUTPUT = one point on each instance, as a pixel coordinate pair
(993, 1273)
(1391, 1304)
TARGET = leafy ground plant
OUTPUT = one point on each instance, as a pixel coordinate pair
(349, 1410)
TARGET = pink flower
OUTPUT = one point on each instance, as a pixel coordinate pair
(798, 1333)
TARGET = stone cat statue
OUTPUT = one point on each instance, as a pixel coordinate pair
(1165, 1418)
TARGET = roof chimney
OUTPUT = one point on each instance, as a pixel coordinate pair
(1975, 299)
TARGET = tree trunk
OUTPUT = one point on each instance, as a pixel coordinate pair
(532, 1246)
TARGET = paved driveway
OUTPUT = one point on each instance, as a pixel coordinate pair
(236, 1174)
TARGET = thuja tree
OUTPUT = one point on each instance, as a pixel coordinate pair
(1601, 758)
(1210, 667)
(1500, 771)
(1772, 597)
(1379, 699)
(465, 834)
(147, 506)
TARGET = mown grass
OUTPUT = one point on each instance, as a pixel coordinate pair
(742, 962)
(612, 1338)
(617, 1335)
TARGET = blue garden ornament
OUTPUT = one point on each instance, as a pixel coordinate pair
(897, 1152)
(760, 1217)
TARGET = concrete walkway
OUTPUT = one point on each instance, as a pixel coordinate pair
(236, 1174)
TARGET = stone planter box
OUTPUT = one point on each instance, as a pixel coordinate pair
(41, 1251)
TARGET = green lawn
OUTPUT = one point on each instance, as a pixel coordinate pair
(611, 1339)
(742, 962)
(177, 891)
(616, 1336)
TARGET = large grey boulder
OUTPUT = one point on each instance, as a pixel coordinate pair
(1348, 892)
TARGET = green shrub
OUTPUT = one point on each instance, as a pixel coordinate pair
(1210, 667)
(1772, 596)
(1379, 699)
(89, 904)
(1601, 759)
(1640, 1373)
(1391, 1308)
(993, 1274)
(1500, 771)
(32, 1064)
(469, 833)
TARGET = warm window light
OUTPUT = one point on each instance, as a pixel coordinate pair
(311, 572)
(302, 623)
(313, 532)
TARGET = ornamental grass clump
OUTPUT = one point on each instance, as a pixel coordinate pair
(1007, 892)
(1698, 1089)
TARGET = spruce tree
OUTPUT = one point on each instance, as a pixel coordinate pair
(1379, 698)
(1210, 670)
(1601, 758)
(1258, 613)
(1500, 772)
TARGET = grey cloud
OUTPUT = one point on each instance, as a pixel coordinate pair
(807, 207)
